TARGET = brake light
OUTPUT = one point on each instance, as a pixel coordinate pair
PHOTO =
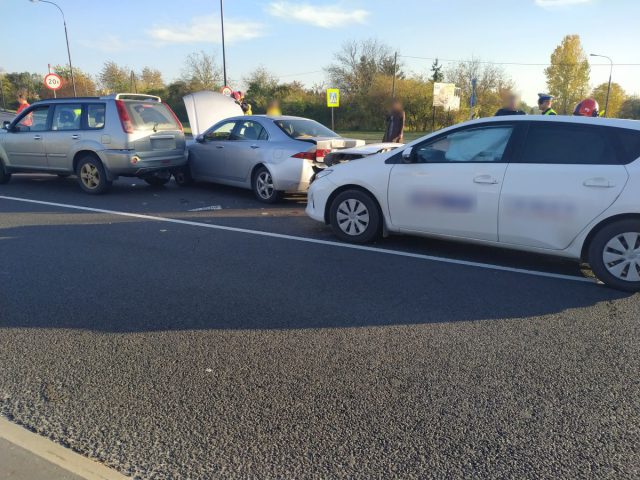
(175, 117)
(125, 120)
(314, 154)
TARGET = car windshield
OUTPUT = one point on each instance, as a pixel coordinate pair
(303, 128)
(150, 116)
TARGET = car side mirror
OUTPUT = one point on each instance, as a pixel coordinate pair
(6, 124)
(407, 155)
(200, 138)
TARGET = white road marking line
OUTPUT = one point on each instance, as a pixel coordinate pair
(56, 454)
(364, 248)
(206, 209)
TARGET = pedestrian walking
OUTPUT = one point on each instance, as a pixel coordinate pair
(394, 128)
(510, 107)
(545, 102)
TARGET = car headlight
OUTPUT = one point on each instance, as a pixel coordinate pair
(323, 173)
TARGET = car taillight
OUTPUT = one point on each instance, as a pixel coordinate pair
(174, 117)
(125, 120)
(313, 154)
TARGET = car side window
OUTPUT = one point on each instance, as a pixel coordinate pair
(223, 132)
(67, 116)
(249, 130)
(567, 144)
(95, 116)
(34, 121)
(481, 145)
(629, 141)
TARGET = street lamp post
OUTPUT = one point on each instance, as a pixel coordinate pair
(66, 36)
(606, 106)
(224, 58)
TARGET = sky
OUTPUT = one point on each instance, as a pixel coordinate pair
(296, 39)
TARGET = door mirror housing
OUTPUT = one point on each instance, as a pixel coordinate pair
(200, 138)
(407, 155)
(5, 125)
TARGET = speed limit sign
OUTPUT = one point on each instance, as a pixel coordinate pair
(226, 91)
(52, 81)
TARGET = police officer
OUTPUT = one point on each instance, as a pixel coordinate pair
(544, 104)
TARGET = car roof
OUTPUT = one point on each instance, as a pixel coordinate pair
(269, 117)
(608, 122)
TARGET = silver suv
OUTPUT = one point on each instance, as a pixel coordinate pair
(96, 138)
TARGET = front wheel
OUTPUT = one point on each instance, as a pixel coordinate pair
(263, 187)
(92, 176)
(183, 176)
(354, 217)
(614, 255)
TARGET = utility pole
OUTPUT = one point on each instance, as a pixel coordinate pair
(224, 58)
(395, 68)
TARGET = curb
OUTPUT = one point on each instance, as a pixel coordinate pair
(55, 453)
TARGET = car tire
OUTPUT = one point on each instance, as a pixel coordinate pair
(263, 187)
(614, 255)
(182, 176)
(4, 175)
(158, 179)
(355, 217)
(92, 176)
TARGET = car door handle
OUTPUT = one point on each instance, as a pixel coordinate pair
(255, 146)
(37, 137)
(75, 136)
(485, 179)
(598, 182)
(219, 146)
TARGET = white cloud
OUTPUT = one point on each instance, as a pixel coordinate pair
(559, 3)
(107, 44)
(324, 16)
(206, 28)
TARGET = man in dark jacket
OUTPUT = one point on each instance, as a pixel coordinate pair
(394, 130)
(510, 107)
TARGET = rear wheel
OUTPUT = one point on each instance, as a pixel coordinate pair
(614, 255)
(183, 176)
(354, 217)
(263, 186)
(92, 176)
(158, 179)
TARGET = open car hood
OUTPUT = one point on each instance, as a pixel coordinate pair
(207, 108)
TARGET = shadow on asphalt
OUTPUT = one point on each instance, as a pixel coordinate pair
(136, 275)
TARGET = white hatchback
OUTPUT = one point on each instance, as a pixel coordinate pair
(565, 186)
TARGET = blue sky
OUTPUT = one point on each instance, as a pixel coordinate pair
(294, 38)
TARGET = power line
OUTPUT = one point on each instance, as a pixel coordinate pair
(448, 60)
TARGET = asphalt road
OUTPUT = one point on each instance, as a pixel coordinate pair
(171, 350)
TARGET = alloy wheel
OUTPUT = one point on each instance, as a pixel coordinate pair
(352, 216)
(621, 256)
(264, 185)
(90, 176)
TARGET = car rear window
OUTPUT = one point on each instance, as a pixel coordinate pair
(150, 116)
(303, 128)
(629, 141)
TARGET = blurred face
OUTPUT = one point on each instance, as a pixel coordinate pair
(22, 100)
(512, 102)
(396, 106)
(544, 105)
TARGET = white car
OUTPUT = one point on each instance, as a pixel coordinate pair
(565, 186)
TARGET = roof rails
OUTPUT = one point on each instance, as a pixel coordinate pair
(68, 99)
(136, 96)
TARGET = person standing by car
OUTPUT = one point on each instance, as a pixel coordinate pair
(394, 130)
(23, 105)
(587, 108)
(544, 104)
(273, 109)
(239, 98)
(510, 107)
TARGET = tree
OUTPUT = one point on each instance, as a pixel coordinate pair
(436, 72)
(114, 78)
(262, 87)
(357, 63)
(201, 72)
(85, 85)
(150, 79)
(568, 74)
(616, 98)
(630, 108)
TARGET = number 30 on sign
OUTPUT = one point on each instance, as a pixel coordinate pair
(52, 81)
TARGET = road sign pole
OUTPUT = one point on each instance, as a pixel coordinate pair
(333, 126)
(55, 95)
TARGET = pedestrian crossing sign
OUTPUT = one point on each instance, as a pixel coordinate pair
(333, 97)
